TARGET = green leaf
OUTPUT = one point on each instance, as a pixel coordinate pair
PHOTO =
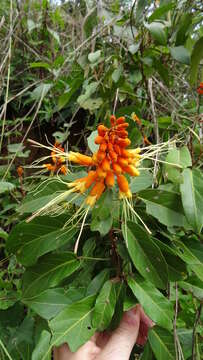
(165, 206)
(6, 187)
(64, 99)
(40, 64)
(145, 254)
(41, 91)
(191, 251)
(193, 285)
(160, 11)
(180, 157)
(97, 282)
(91, 104)
(157, 30)
(141, 182)
(181, 54)
(50, 270)
(139, 11)
(147, 353)
(93, 147)
(156, 306)
(3, 234)
(196, 57)
(73, 324)
(94, 56)
(32, 240)
(192, 197)
(105, 306)
(42, 346)
(54, 34)
(102, 218)
(117, 74)
(162, 343)
(184, 25)
(50, 302)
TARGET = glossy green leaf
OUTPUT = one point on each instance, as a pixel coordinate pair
(97, 282)
(141, 182)
(197, 55)
(104, 306)
(139, 11)
(191, 251)
(184, 25)
(145, 254)
(156, 306)
(192, 197)
(49, 271)
(165, 206)
(91, 144)
(102, 218)
(147, 353)
(66, 97)
(50, 302)
(73, 324)
(181, 54)
(162, 343)
(180, 157)
(42, 346)
(157, 30)
(193, 285)
(31, 240)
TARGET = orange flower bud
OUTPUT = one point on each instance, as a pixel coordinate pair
(122, 126)
(123, 142)
(126, 154)
(122, 133)
(120, 120)
(98, 188)
(113, 155)
(131, 170)
(102, 130)
(49, 167)
(100, 172)
(53, 156)
(99, 140)
(110, 146)
(116, 168)
(110, 179)
(123, 183)
(101, 155)
(200, 89)
(20, 171)
(90, 178)
(103, 147)
(106, 165)
(122, 162)
(113, 120)
(117, 149)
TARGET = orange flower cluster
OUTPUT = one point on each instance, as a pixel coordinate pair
(200, 88)
(58, 161)
(112, 161)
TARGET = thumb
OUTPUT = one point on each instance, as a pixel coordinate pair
(121, 342)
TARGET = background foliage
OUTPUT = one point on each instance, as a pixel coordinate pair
(64, 68)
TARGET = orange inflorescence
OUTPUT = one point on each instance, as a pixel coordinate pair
(200, 88)
(57, 161)
(111, 161)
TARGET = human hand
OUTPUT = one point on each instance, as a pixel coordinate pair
(117, 345)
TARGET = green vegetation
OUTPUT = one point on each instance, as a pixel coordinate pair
(66, 67)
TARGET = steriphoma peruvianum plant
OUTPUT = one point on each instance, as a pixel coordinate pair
(101, 238)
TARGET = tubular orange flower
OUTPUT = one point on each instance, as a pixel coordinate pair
(200, 88)
(110, 180)
(81, 159)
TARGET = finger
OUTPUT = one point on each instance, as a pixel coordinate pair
(62, 353)
(145, 324)
(88, 351)
(121, 343)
